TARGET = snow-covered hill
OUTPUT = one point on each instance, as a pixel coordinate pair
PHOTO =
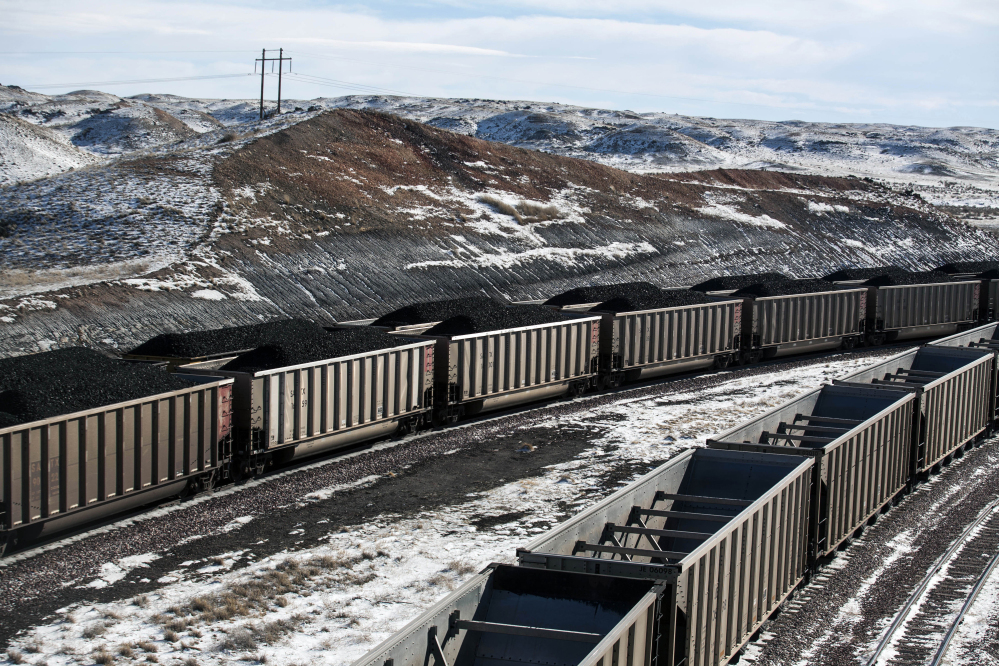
(194, 213)
(957, 167)
(30, 152)
(352, 213)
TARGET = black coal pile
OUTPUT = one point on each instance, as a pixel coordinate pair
(851, 274)
(434, 311)
(604, 292)
(666, 298)
(989, 275)
(496, 319)
(969, 267)
(733, 282)
(787, 288)
(225, 340)
(39, 386)
(907, 277)
(298, 347)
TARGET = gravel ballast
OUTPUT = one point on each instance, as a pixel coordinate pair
(666, 298)
(224, 340)
(497, 319)
(64, 381)
(733, 282)
(434, 311)
(603, 293)
(298, 347)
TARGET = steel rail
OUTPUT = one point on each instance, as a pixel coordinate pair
(920, 590)
(942, 650)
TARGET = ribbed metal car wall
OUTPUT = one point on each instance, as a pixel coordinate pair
(983, 337)
(58, 469)
(512, 615)
(861, 440)
(649, 343)
(796, 323)
(953, 388)
(482, 371)
(725, 531)
(304, 409)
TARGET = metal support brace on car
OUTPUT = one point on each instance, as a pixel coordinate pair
(521, 630)
(434, 646)
(661, 496)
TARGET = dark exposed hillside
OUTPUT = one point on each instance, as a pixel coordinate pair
(355, 213)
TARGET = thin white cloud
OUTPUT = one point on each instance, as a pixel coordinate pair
(401, 47)
(917, 61)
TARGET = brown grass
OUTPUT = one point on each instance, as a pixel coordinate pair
(14, 657)
(95, 630)
(461, 568)
(102, 657)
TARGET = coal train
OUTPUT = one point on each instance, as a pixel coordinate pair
(93, 440)
(683, 566)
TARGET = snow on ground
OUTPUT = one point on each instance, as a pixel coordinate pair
(331, 604)
(956, 166)
(980, 627)
(30, 152)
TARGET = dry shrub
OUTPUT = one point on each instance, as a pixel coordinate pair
(240, 638)
(190, 661)
(533, 212)
(33, 648)
(141, 601)
(102, 657)
(177, 624)
(502, 207)
(125, 650)
(461, 568)
(441, 580)
(170, 636)
(148, 646)
(523, 211)
(152, 659)
(95, 630)
(15, 657)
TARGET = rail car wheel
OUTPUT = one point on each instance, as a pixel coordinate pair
(722, 362)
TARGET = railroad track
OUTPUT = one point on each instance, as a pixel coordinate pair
(922, 630)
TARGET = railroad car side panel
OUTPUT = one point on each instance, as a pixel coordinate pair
(57, 471)
(861, 439)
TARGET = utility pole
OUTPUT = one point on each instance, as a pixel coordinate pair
(263, 60)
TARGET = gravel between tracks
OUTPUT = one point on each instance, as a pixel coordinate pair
(850, 602)
(429, 470)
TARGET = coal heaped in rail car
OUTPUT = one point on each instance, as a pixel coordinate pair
(84, 436)
(465, 356)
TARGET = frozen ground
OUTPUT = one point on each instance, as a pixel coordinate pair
(330, 603)
(955, 166)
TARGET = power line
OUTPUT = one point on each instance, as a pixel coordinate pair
(130, 81)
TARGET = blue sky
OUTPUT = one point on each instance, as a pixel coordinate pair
(921, 62)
